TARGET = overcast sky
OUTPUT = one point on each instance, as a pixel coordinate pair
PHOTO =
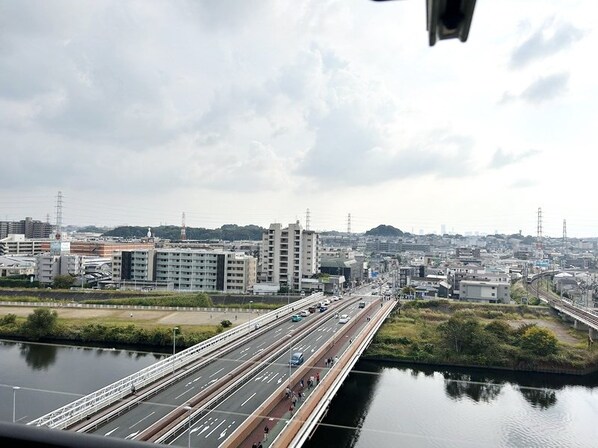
(250, 112)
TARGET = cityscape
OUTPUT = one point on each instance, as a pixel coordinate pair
(300, 224)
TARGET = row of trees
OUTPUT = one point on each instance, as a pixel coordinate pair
(468, 336)
(43, 323)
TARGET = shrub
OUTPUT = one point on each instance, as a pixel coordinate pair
(539, 341)
(9, 319)
(226, 323)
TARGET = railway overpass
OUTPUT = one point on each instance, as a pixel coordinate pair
(225, 391)
(578, 314)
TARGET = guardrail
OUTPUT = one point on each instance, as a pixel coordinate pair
(354, 352)
(79, 409)
(126, 307)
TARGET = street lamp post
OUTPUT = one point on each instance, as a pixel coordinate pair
(174, 330)
(290, 355)
(250, 313)
(188, 409)
(14, 403)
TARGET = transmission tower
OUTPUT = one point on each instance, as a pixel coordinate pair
(59, 215)
(564, 236)
(539, 231)
(349, 224)
(307, 219)
(183, 229)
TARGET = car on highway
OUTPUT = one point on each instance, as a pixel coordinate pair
(312, 309)
(326, 302)
(296, 359)
(323, 308)
(296, 318)
(344, 319)
(362, 304)
(304, 313)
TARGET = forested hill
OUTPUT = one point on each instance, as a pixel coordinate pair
(228, 232)
(384, 230)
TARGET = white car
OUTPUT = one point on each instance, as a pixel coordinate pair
(304, 313)
(326, 302)
(344, 319)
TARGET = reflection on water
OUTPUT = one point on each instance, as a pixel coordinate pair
(541, 398)
(476, 387)
(52, 375)
(37, 356)
(384, 405)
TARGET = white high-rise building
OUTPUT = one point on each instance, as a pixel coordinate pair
(289, 255)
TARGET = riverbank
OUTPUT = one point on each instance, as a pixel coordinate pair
(502, 337)
(115, 327)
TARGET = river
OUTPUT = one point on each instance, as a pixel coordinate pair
(50, 376)
(378, 406)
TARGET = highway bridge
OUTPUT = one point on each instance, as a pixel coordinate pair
(225, 391)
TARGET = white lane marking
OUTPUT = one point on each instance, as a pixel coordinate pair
(257, 378)
(320, 337)
(216, 372)
(218, 426)
(251, 396)
(196, 379)
(223, 433)
(274, 376)
(243, 355)
(110, 432)
(188, 390)
(261, 345)
(147, 416)
(195, 430)
(130, 436)
(279, 380)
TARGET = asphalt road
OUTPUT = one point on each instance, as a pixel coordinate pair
(214, 427)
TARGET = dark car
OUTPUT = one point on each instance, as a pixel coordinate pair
(296, 359)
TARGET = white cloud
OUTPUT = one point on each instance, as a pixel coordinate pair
(288, 106)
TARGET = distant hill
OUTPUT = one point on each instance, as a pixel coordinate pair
(228, 232)
(384, 230)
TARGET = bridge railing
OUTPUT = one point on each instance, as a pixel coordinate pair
(79, 409)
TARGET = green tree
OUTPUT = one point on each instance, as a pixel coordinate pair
(460, 333)
(539, 341)
(63, 281)
(40, 323)
(204, 300)
(9, 319)
(501, 329)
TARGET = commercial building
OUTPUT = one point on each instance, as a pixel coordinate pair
(289, 255)
(185, 269)
(106, 248)
(17, 244)
(484, 291)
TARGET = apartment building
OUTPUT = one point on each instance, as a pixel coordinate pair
(186, 269)
(288, 255)
(29, 227)
(49, 266)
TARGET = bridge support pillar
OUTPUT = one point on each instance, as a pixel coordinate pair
(579, 325)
